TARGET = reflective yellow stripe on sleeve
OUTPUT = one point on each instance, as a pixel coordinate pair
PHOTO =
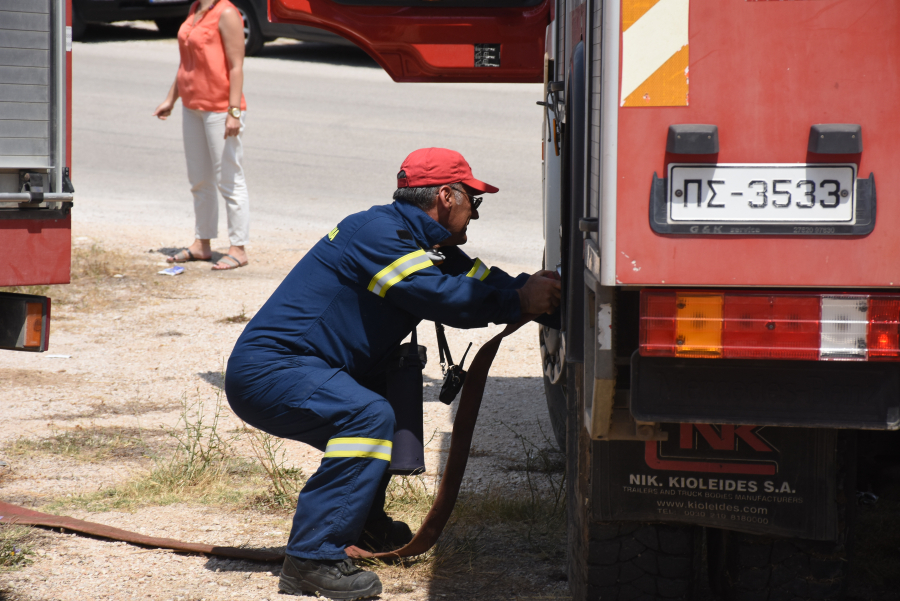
(479, 270)
(359, 447)
(398, 270)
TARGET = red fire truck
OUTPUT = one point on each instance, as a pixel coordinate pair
(730, 350)
(35, 154)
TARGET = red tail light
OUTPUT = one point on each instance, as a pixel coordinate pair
(883, 337)
(771, 327)
(658, 324)
(742, 325)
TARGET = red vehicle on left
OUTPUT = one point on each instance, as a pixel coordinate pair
(36, 191)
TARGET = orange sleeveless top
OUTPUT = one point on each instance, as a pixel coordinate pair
(203, 73)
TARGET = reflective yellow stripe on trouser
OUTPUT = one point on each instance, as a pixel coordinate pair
(398, 270)
(479, 270)
(359, 447)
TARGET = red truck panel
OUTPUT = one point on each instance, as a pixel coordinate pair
(435, 43)
(764, 72)
(36, 251)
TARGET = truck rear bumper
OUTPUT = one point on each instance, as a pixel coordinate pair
(821, 394)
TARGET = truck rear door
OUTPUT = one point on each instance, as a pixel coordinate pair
(749, 138)
(435, 40)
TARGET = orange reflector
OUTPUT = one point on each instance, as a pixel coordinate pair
(698, 325)
(34, 325)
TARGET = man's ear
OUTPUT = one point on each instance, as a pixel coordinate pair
(445, 196)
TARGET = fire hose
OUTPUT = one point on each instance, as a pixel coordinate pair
(426, 536)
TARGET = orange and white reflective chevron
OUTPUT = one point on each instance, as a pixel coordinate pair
(655, 52)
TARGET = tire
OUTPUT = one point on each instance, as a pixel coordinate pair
(556, 406)
(641, 561)
(758, 568)
(253, 38)
(619, 561)
(169, 26)
(555, 392)
(79, 27)
(746, 567)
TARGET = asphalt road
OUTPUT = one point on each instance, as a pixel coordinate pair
(326, 132)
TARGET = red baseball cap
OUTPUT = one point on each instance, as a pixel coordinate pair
(436, 167)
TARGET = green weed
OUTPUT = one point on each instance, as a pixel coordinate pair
(16, 546)
(285, 481)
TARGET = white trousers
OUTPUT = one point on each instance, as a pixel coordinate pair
(214, 163)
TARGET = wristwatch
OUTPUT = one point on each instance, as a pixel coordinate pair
(234, 111)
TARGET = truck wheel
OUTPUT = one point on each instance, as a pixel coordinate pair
(631, 560)
(554, 387)
(618, 561)
(747, 567)
(169, 26)
(79, 27)
(253, 39)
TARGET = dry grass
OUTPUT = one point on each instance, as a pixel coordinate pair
(285, 481)
(16, 546)
(85, 444)
(99, 277)
(199, 465)
(488, 538)
(241, 317)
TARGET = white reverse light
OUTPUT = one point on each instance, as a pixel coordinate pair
(843, 327)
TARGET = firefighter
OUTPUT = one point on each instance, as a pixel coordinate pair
(310, 365)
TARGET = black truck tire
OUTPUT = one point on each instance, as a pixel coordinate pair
(556, 406)
(619, 561)
(640, 561)
(253, 38)
(169, 26)
(79, 27)
(747, 567)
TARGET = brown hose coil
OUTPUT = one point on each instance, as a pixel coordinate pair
(426, 536)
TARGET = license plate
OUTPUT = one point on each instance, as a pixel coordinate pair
(789, 194)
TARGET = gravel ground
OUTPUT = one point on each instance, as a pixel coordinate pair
(124, 353)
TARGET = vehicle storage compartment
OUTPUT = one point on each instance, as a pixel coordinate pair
(35, 126)
(750, 145)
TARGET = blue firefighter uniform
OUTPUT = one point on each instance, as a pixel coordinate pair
(332, 324)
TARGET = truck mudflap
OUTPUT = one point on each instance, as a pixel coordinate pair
(821, 394)
(38, 246)
(755, 479)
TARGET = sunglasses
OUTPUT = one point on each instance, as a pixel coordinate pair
(475, 200)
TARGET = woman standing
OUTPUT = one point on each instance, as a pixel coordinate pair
(209, 82)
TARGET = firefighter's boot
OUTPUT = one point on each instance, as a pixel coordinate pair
(333, 579)
(384, 535)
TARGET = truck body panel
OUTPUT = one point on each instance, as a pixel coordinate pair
(500, 40)
(764, 73)
(35, 141)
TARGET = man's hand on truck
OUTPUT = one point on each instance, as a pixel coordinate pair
(540, 294)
